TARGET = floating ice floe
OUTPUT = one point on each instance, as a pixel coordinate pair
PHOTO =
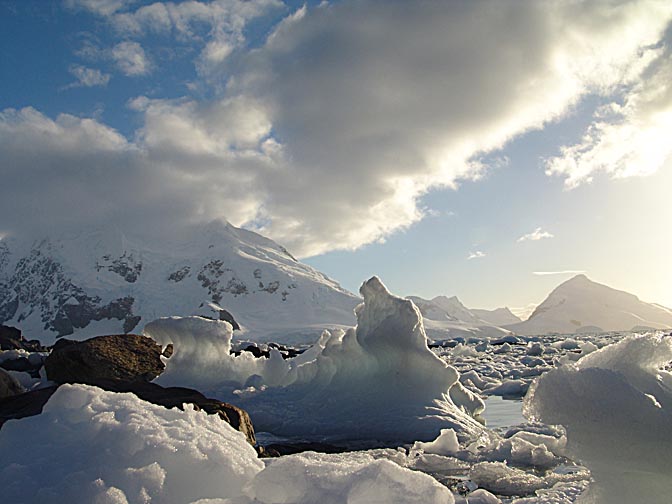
(378, 381)
(616, 405)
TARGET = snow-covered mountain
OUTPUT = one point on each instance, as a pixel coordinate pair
(581, 305)
(446, 317)
(499, 317)
(103, 281)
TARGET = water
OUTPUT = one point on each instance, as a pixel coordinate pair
(503, 412)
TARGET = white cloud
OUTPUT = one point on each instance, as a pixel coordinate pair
(562, 272)
(130, 58)
(328, 135)
(536, 235)
(476, 255)
(99, 7)
(87, 77)
(632, 139)
(217, 25)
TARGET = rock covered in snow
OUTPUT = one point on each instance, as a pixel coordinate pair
(97, 446)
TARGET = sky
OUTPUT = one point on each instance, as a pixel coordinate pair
(485, 149)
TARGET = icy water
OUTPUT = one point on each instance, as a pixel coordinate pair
(503, 412)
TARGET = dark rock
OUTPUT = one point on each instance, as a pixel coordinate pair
(225, 315)
(280, 449)
(22, 364)
(25, 405)
(256, 351)
(176, 397)
(168, 351)
(8, 385)
(126, 357)
(12, 339)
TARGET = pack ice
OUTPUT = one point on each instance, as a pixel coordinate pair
(616, 405)
(378, 381)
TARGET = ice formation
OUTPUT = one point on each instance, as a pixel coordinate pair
(616, 405)
(89, 445)
(93, 446)
(376, 381)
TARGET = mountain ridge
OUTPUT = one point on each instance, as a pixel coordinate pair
(103, 281)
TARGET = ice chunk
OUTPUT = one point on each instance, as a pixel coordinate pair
(445, 444)
(378, 381)
(89, 445)
(357, 478)
(613, 425)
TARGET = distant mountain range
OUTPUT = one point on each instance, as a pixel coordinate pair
(103, 282)
(581, 305)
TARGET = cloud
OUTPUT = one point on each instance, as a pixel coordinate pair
(475, 255)
(130, 58)
(563, 272)
(217, 26)
(87, 77)
(328, 134)
(628, 139)
(536, 235)
(98, 7)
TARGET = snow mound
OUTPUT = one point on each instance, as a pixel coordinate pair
(378, 381)
(309, 477)
(616, 405)
(95, 446)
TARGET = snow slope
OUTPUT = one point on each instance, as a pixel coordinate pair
(581, 305)
(446, 317)
(499, 317)
(103, 281)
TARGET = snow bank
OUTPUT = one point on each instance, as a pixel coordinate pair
(616, 405)
(378, 381)
(89, 445)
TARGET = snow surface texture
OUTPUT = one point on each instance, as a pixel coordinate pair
(580, 305)
(91, 446)
(104, 282)
(616, 404)
(378, 381)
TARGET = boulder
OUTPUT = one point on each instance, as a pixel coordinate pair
(25, 405)
(12, 339)
(124, 357)
(8, 385)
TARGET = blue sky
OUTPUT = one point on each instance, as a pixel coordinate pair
(450, 148)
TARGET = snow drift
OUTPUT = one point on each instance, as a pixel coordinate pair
(378, 381)
(616, 405)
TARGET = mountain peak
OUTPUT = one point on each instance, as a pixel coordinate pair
(580, 303)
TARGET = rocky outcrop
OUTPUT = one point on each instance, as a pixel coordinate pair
(8, 385)
(12, 339)
(25, 405)
(125, 357)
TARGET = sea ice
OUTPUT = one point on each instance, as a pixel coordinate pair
(378, 381)
(616, 405)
